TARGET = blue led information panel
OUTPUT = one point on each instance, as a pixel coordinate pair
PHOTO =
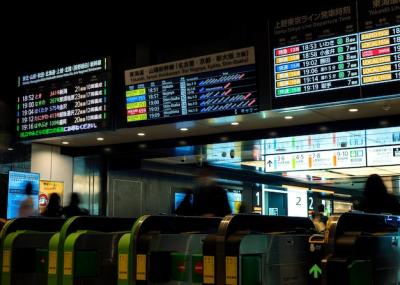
(212, 85)
(17, 184)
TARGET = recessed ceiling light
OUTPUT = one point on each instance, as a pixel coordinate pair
(65, 143)
(235, 123)
(353, 110)
(184, 129)
(107, 149)
(10, 149)
(288, 117)
(141, 134)
(100, 139)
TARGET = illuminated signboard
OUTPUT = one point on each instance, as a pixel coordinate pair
(64, 101)
(380, 55)
(385, 155)
(316, 160)
(317, 66)
(348, 61)
(345, 52)
(46, 189)
(217, 84)
(297, 202)
(373, 147)
(317, 142)
(224, 152)
(384, 136)
(17, 185)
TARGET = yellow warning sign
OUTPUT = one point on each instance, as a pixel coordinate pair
(68, 263)
(52, 262)
(208, 270)
(123, 267)
(141, 267)
(6, 260)
(231, 270)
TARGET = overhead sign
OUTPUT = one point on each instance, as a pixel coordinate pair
(64, 101)
(385, 155)
(217, 84)
(328, 141)
(316, 160)
(317, 66)
(384, 136)
(297, 203)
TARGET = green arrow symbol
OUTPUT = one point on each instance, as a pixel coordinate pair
(315, 270)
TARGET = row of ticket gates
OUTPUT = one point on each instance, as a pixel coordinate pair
(356, 248)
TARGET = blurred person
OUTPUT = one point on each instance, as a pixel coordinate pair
(27, 207)
(376, 198)
(210, 199)
(54, 208)
(73, 208)
(242, 208)
(319, 225)
(321, 213)
(185, 208)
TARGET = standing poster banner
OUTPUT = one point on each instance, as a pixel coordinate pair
(46, 189)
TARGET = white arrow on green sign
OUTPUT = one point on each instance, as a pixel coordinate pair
(315, 270)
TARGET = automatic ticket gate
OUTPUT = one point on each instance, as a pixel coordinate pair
(164, 250)
(362, 249)
(24, 247)
(253, 250)
(85, 251)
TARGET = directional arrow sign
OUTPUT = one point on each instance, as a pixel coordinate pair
(269, 163)
(315, 270)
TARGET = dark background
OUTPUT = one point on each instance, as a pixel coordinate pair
(36, 36)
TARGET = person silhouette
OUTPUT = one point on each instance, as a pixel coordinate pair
(73, 208)
(376, 199)
(54, 208)
(185, 208)
(27, 207)
(210, 199)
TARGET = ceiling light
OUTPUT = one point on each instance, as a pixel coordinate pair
(288, 117)
(65, 143)
(235, 123)
(184, 129)
(141, 134)
(10, 149)
(100, 139)
(353, 110)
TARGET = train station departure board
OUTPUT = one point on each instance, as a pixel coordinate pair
(212, 85)
(317, 66)
(380, 55)
(347, 52)
(64, 101)
(335, 63)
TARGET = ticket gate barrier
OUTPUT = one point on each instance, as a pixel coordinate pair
(85, 251)
(24, 247)
(365, 250)
(253, 250)
(164, 250)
